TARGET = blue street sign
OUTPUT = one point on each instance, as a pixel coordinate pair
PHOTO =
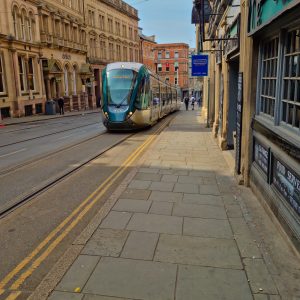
(200, 65)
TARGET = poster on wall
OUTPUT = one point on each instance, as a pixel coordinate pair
(287, 183)
(261, 157)
(239, 119)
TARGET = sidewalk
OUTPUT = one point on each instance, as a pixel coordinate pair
(35, 118)
(179, 230)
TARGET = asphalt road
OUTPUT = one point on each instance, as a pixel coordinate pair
(25, 228)
(23, 142)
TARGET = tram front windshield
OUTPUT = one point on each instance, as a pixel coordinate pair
(120, 83)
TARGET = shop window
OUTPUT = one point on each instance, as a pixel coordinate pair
(269, 76)
(2, 79)
(28, 110)
(159, 67)
(290, 105)
(5, 112)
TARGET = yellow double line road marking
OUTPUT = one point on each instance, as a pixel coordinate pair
(81, 210)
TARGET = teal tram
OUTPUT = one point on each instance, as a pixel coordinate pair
(133, 97)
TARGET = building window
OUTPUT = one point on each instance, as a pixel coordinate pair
(66, 79)
(124, 31)
(31, 74)
(22, 73)
(15, 21)
(176, 54)
(2, 79)
(131, 54)
(269, 75)
(110, 25)
(102, 49)
(290, 105)
(111, 51)
(176, 66)
(167, 67)
(159, 67)
(102, 22)
(130, 33)
(167, 79)
(125, 54)
(23, 31)
(136, 55)
(167, 54)
(176, 80)
(159, 55)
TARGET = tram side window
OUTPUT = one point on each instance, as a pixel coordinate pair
(143, 94)
(164, 94)
(155, 91)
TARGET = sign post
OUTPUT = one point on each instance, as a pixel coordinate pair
(200, 65)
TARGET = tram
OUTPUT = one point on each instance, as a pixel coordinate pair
(133, 97)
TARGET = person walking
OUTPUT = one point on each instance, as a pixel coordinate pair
(193, 102)
(61, 105)
(186, 102)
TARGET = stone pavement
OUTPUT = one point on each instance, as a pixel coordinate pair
(176, 232)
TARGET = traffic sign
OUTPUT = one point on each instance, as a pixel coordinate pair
(200, 65)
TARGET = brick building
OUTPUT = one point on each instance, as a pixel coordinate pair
(172, 63)
(147, 47)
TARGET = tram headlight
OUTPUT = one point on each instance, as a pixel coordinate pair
(106, 115)
(129, 114)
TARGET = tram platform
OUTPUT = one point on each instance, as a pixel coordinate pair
(179, 227)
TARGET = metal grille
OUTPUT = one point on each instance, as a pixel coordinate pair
(269, 75)
(290, 105)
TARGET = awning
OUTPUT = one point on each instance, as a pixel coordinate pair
(197, 11)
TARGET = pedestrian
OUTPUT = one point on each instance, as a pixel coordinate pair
(193, 102)
(186, 102)
(61, 105)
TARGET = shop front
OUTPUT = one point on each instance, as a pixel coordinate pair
(275, 166)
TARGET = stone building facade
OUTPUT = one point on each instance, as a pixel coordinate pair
(21, 87)
(252, 99)
(112, 35)
(58, 48)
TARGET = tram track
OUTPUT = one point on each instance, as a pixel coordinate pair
(17, 202)
(45, 135)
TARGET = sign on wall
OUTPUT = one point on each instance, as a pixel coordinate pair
(261, 12)
(239, 119)
(287, 183)
(261, 157)
(200, 65)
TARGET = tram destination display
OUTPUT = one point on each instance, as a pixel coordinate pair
(261, 157)
(287, 183)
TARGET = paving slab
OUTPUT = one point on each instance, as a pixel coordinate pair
(56, 295)
(149, 170)
(135, 279)
(116, 220)
(209, 189)
(139, 184)
(211, 284)
(266, 297)
(165, 196)
(136, 194)
(207, 228)
(148, 176)
(234, 211)
(203, 199)
(162, 186)
(190, 179)
(140, 245)
(132, 205)
(203, 173)
(259, 276)
(220, 253)
(161, 208)
(78, 274)
(186, 188)
(169, 178)
(106, 242)
(166, 171)
(156, 223)
(199, 211)
(98, 297)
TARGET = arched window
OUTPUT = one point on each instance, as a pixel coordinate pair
(23, 29)
(31, 27)
(15, 14)
(66, 79)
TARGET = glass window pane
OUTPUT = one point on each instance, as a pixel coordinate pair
(294, 65)
(292, 90)
(297, 117)
(283, 115)
(290, 114)
(298, 91)
(285, 89)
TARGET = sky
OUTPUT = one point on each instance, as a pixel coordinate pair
(168, 20)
